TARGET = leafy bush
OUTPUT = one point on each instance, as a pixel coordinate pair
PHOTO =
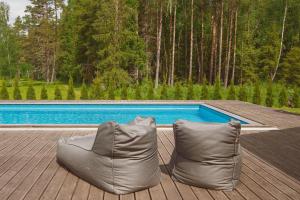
(84, 94)
(190, 92)
(231, 92)
(269, 97)
(30, 95)
(164, 92)
(256, 98)
(283, 97)
(4, 93)
(70, 92)
(178, 93)
(217, 90)
(242, 93)
(44, 93)
(57, 94)
(16, 92)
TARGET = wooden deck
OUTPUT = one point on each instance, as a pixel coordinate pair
(28, 168)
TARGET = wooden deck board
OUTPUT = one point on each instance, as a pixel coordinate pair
(28, 168)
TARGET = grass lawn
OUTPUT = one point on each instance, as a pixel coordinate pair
(291, 110)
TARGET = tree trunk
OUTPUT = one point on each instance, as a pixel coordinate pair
(212, 57)
(55, 43)
(221, 40)
(281, 42)
(158, 46)
(191, 41)
(234, 47)
(173, 46)
(228, 51)
(143, 22)
(200, 69)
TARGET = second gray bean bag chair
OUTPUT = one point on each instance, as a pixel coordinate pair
(119, 159)
(207, 155)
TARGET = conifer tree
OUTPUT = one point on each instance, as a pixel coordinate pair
(231, 92)
(242, 93)
(164, 92)
(97, 92)
(190, 91)
(295, 98)
(217, 90)
(84, 92)
(111, 93)
(138, 95)
(178, 92)
(124, 93)
(204, 90)
(269, 97)
(70, 92)
(44, 93)
(256, 98)
(30, 95)
(16, 92)
(4, 93)
(150, 93)
(57, 93)
(283, 97)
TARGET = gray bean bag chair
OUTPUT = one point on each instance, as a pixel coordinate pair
(119, 159)
(207, 155)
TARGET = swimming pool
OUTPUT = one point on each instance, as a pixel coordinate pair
(91, 114)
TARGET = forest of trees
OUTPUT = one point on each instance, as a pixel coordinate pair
(123, 42)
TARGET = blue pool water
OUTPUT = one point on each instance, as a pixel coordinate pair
(99, 113)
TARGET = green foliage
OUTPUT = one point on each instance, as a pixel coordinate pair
(164, 92)
(30, 95)
(150, 92)
(242, 93)
(231, 92)
(269, 98)
(4, 93)
(57, 93)
(204, 91)
(71, 92)
(138, 95)
(283, 97)
(178, 93)
(111, 93)
(97, 92)
(291, 66)
(124, 93)
(295, 98)
(217, 90)
(44, 93)
(16, 91)
(256, 98)
(84, 92)
(268, 53)
(120, 44)
(115, 78)
(190, 92)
